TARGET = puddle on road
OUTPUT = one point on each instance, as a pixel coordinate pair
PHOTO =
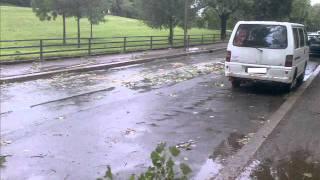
(230, 146)
(299, 165)
(210, 169)
(227, 148)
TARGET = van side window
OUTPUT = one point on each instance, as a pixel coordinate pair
(301, 35)
(296, 38)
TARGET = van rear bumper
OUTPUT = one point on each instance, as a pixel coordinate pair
(274, 73)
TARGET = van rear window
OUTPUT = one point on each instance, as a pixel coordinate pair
(261, 36)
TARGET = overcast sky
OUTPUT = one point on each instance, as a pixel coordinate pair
(315, 1)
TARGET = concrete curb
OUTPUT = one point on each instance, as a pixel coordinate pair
(236, 164)
(27, 77)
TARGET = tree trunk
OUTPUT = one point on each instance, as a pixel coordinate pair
(185, 29)
(64, 27)
(223, 20)
(171, 29)
(78, 22)
(91, 30)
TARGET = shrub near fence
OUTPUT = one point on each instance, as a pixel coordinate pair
(42, 49)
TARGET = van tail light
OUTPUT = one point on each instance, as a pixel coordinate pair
(289, 60)
(228, 58)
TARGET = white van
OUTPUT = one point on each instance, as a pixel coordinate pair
(267, 51)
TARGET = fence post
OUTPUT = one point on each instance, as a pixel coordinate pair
(151, 42)
(188, 41)
(214, 38)
(89, 46)
(41, 50)
(202, 39)
(124, 44)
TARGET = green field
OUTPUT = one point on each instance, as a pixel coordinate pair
(21, 23)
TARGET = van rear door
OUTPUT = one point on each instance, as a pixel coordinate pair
(260, 44)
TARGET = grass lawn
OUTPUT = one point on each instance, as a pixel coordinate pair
(21, 23)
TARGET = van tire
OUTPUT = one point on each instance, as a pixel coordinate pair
(235, 83)
(301, 77)
(293, 84)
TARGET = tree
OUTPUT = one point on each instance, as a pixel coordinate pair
(300, 11)
(95, 11)
(274, 10)
(224, 8)
(78, 11)
(212, 18)
(116, 7)
(44, 9)
(164, 14)
(313, 22)
(125, 8)
(25, 3)
(50, 9)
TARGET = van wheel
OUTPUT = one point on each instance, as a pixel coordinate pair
(293, 84)
(301, 77)
(235, 83)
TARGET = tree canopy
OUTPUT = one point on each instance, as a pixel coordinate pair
(165, 14)
(275, 10)
(25, 3)
(223, 8)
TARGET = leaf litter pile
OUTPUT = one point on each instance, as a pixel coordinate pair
(178, 73)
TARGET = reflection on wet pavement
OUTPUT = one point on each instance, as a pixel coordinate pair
(299, 165)
(234, 142)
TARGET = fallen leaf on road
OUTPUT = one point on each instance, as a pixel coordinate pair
(173, 95)
(262, 118)
(177, 65)
(39, 156)
(186, 145)
(308, 175)
(129, 131)
(61, 118)
(154, 125)
(5, 142)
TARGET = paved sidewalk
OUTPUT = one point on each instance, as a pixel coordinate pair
(293, 149)
(36, 67)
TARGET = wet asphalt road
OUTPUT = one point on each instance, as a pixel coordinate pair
(72, 126)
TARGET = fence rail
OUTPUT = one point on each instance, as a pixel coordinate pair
(42, 49)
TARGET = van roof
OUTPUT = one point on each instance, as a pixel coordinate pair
(270, 22)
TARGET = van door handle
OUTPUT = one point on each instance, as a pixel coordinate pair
(297, 58)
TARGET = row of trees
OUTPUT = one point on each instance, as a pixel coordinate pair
(168, 14)
(94, 10)
(24, 3)
(299, 11)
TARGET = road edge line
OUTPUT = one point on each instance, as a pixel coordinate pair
(236, 163)
(27, 77)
